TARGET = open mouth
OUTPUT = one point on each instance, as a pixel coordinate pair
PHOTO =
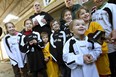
(86, 17)
(37, 8)
(57, 27)
(68, 19)
(81, 29)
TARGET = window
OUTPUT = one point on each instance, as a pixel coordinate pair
(47, 2)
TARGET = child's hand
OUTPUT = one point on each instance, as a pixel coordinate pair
(30, 42)
(34, 41)
(46, 59)
(88, 59)
(113, 36)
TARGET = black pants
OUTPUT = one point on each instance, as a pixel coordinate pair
(112, 60)
(41, 73)
(65, 71)
(17, 72)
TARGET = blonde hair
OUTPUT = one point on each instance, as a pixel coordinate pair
(44, 34)
(72, 24)
(6, 25)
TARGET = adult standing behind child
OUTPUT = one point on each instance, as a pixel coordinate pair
(11, 43)
(105, 15)
(45, 20)
(72, 7)
(78, 53)
(32, 45)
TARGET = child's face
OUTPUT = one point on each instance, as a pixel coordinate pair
(84, 15)
(55, 26)
(79, 27)
(99, 2)
(37, 7)
(45, 38)
(28, 25)
(68, 16)
(11, 29)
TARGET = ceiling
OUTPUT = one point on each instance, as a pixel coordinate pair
(15, 7)
(21, 8)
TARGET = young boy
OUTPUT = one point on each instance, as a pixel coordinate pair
(105, 15)
(52, 67)
(78, 53)
(57, 40)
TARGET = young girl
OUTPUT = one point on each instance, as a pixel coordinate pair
(67, 17)
(11, 43)
(78, 53)
(103, 62)
(57, 40)
(32, 45)
(52, 67)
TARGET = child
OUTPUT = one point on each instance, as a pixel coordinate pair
(78, 53)
(67, 17)
(105, 15)
(32, 45)
(57, 40)
(11, 43)
(102, 62)
(52, 67)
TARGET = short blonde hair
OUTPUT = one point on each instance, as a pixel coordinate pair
(72, 24)
(44, 34)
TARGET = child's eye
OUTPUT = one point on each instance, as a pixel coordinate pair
(82, 13)
(83, 24)
(37, 5)
(27, 24)
(77, 25)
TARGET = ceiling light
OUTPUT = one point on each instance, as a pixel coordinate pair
(10, 17)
